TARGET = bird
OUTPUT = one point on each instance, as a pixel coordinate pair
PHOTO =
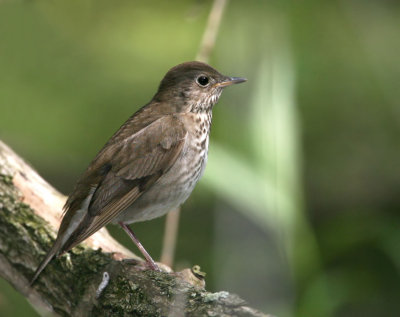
(150, 165)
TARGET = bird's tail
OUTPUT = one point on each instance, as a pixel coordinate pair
(71, 226)
(53, 252)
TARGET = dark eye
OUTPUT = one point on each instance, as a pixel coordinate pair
(203, 81)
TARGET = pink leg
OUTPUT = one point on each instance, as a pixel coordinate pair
(147, 256)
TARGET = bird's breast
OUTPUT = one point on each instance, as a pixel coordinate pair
(194, 154)
(175, 186)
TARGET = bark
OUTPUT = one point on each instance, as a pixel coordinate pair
(95, 278)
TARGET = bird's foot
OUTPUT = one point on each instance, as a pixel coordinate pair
(145, 265)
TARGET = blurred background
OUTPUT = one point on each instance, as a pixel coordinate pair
(298, 210)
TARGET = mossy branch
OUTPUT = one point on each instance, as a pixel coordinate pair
(95, 278)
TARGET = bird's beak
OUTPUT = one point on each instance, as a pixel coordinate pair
(230, 81)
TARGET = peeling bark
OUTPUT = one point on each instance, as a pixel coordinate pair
(30, 213)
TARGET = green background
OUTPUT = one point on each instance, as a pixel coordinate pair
(298, 210)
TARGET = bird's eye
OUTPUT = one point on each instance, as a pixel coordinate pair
(203, 81)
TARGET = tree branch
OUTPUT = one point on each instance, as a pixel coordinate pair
(95, 278)
(211, 31)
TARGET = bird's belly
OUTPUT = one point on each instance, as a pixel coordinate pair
(170, 191)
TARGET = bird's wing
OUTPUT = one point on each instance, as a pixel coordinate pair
(134, 165)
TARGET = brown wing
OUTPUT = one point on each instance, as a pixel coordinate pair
(129, 168)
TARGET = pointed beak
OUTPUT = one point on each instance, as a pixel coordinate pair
(228, 81)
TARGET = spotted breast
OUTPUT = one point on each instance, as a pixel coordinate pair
(173, 188)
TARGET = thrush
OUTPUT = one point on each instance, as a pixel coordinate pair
(150, 165)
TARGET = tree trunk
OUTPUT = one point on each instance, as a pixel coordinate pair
(95, 278)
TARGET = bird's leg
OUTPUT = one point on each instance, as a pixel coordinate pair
(147, 256)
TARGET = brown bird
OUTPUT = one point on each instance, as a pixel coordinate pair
(151, 164)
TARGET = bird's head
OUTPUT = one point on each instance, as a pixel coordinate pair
(193, 87)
